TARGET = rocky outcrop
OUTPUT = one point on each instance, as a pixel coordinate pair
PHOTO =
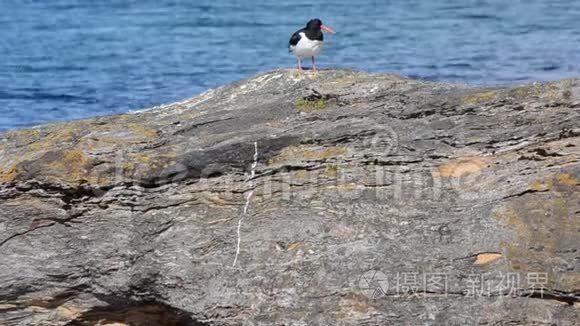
(336, 198)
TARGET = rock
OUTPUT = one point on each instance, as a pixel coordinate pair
(374, 199)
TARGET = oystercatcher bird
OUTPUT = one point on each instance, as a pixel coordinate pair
(307, 42)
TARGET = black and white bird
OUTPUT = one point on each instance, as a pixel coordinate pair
(307, 42)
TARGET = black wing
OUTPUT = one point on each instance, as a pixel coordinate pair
(295, 38)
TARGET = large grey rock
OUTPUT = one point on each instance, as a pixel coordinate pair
(374, 200)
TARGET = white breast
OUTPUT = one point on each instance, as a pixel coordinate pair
(306, 48)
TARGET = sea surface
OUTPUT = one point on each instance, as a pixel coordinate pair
(67, 59)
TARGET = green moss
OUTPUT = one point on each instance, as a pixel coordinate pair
(305, 104)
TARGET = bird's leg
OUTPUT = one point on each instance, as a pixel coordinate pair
(299, 64)
(313, 64)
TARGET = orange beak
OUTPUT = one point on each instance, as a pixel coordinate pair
(327, 29)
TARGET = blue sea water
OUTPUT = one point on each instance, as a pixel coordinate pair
(65, 59)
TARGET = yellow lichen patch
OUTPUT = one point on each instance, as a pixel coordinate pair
(142, 131)
(72, 166)
(542, 231)
(23, 133)
(573, 279)
(160, 166)
(544, 90)
(163, 162)
(460, 167)
(331, 171)
(567, 179)
(487, 258)
(327, 152)
(77, 163)
(541, 185)
(510, 250)
(56, 138)
(144, 162)
(74, 157)
(307, 153)
(561, 209)
(310, 105)
(480, 97)
(9, 175)
(548, 183)
(67, 135)
(141, 158)
(511, 219)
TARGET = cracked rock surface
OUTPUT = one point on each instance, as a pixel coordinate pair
(376, 200)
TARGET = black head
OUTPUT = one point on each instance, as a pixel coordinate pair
(314, 24)
(314, 29)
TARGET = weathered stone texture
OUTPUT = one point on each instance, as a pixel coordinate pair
(367, 187)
